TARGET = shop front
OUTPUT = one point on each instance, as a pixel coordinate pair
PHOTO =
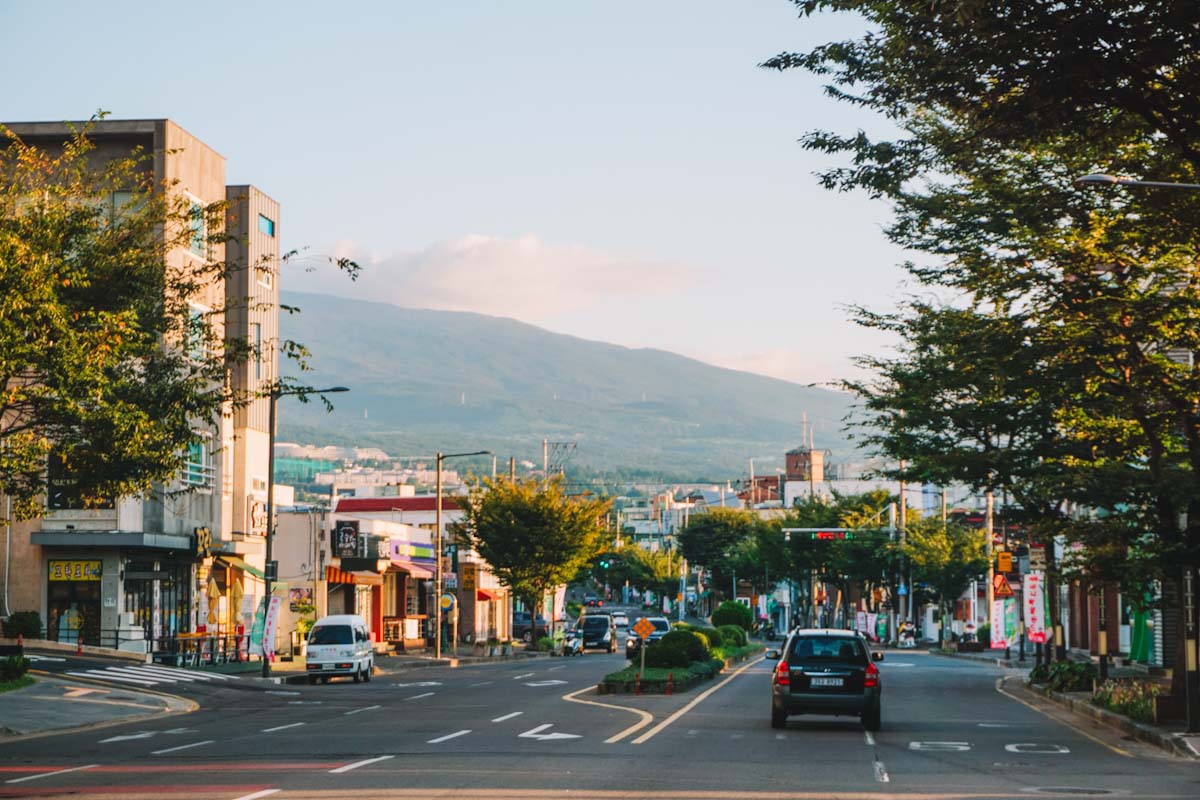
(73, 600)
(356, 592)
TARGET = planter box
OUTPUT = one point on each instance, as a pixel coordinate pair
(971, 647)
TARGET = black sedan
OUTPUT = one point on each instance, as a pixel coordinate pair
(823, 671)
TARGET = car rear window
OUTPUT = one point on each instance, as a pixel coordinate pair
(331, 634)
(595, 622)
(660, 624)
(827, 649)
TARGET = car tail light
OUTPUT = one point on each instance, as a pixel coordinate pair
(871, 679)
(783, 675)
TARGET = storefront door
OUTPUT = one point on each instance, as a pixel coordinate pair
(73, 601)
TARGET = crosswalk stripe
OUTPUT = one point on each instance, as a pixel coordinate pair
(102, 674)
(149, 676)
(177, 674)
(172, 671)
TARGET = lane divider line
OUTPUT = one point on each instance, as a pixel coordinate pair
(181, 747)
(646, 716)
(257, 795)
(360, 710)
(49, 774)
(358, 764)
(1085, 734)
(508, 716)
(448, 737)
(419, 696)
(283, 727)
(648, 735)
(881, 773)
(870, 738)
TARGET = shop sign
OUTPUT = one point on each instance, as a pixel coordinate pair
(202, 542)
(1037, 558)
(470, 576)
(345, 538)
(1004, 561)
(74, 570)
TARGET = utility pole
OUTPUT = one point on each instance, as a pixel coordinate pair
(989, 525)
(905, 601)
(512, 468)
(545, 456)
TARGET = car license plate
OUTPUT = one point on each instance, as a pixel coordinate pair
(826, 682)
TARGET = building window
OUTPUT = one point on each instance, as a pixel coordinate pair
(258, 484)
(263, 276)
(199, 239)
(258, 353)
(198, 470)
(266, 225)
(196, 334)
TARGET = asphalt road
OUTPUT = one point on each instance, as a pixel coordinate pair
(532, 729)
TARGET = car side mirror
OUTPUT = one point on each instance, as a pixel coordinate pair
(877, 656)
(773, 655)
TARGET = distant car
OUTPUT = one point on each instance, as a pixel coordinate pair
(633, 645)
(340, 645)
(592, 601)
(521, 629)
(621, 619)
(597, 632)
(823, 671)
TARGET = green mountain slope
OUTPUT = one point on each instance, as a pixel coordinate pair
(425, 380)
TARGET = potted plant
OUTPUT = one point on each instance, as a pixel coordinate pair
(493, 645)
(308, 618)
(506, 648)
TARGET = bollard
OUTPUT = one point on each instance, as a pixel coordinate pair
(637, 684)
(78, 647)
(670, 681)
(21, 640)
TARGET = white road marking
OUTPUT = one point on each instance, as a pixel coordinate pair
(870, 738)
(881, 773)
(419, 696)
(418, 684)
(99, 673)
(522, 677)
(360, 710)
(281, 693)
(646, 716)
(781, 736)
(36, 658)
(645, 737)
(180, 674)
(149, 675)
(940, 747)
(508, 716)
(282, 727)
(181, 747)
(556, 669)
(1029, 747)
(258, 795)
(536, 733)
(358, 764)
(305, 702)
(128, 737)
(692, 732)
(994, 725)
(481, 683)
(448, 737)
(49, 774)
(551, 682)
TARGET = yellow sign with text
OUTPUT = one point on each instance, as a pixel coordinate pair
(1004, 561)
(89, 570)
(470, 576)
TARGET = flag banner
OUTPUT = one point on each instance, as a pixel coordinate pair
(1033, 598)
(998, 624)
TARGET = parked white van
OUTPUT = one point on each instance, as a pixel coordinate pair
(340, 645)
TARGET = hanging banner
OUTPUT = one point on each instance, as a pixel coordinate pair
(860, 622)
(1034, 602)
(272, 622)
(256, 629)
(1011, 612)
(998, 624)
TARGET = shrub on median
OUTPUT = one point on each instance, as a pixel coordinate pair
(733, 635)
(1065, 676)
(733, 613)
(13, 667)
(24, 623)
(679, 648)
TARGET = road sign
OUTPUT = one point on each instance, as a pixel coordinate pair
(1000, 587)
(447, 602)
(1004, 561)
(1037, 558)
(470, 573)
(902, 591)
(643, 628)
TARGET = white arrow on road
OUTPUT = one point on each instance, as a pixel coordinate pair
(536, 733)
(544, 683)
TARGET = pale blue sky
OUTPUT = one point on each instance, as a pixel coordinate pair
(620, 171)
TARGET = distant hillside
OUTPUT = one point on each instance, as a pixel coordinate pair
(426, 380)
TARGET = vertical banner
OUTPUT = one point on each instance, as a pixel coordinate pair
(1010, 620)
(998, 639)
(1034, 602)
(860, 622)
(256, 629)
(272, 622)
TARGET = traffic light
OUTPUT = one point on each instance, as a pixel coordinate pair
(604, 563)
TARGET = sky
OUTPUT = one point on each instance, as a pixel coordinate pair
(620, 171)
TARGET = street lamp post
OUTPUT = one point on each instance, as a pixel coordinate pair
(273, 396)
(437, 550)
(1187, 590)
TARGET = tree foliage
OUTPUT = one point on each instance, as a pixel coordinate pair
(946, 557)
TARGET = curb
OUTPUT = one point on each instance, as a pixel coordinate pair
(460, 662)
(1010, 663)
(1170, 742)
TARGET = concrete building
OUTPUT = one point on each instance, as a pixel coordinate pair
(189, 556)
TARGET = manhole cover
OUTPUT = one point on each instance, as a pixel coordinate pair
(1079, 791)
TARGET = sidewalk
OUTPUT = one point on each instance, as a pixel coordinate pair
(54, 705)
(294, 671)
(1168, 736)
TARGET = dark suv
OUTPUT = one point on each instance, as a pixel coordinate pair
(521, 629)
(825, 672)
(598, 632)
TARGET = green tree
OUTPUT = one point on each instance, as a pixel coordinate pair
(533, 534)
(947, 558)
(721, 540)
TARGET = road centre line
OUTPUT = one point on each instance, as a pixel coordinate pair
(648, 735)
(870, 738)
(360, 710)
(257, 795)
(49, 774)
(525, 675)
(448, 737)
(646, 716)
(358, 764)
(481, 683)
(556, 669)
(282, 727)
(419, 696)
(881, 774)
(180, 747)
(1101, 742)
(508, 716)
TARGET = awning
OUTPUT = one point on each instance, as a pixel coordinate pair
(485, 595)
(414, 570)
(238, 563)
(335, 575)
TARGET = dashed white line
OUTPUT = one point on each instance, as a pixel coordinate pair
(481, 683)
(881, 773)
(870, 738)
(419, 696)
(358, 764)
(181, 747)
(508, 716)
(283, 727)
(49, 774)
(360, 710)
(556, 669)
(522, 677)
(257, 795)
(781, 736)
(448, 737)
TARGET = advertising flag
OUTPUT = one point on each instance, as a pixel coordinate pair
(998, 624)
(1034, 600)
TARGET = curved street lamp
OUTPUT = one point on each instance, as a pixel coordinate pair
(273, 395)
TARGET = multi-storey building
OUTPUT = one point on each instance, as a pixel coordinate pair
(141, 571)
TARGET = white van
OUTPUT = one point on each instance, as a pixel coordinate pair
(340, 645)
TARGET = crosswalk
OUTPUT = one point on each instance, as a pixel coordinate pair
(150, 675)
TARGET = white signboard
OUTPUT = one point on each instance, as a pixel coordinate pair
(998, 640)
(860, 622)
(1033, 597)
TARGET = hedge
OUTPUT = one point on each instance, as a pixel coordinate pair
(654, 679)
(25, 623)
(1065, 676)
(733, 613)
(13, 667)
(677, 649)
(734, 635)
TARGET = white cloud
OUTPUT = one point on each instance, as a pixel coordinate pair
(525, 278)
(800, 366)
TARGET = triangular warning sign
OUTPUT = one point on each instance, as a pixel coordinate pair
(1000, 587)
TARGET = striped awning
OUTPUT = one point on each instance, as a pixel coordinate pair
(413, 570)
(335, 575)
